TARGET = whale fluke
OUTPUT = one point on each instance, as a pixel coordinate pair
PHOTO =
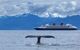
(36, 36)
(39, 37)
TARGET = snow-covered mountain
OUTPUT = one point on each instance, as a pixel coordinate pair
(29, 21)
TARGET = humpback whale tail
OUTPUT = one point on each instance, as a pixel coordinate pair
(39, 37)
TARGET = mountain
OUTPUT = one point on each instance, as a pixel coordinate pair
(29, 21)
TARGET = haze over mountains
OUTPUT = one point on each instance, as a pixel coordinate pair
(29, 21)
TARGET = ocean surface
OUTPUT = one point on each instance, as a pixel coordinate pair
(15, 40)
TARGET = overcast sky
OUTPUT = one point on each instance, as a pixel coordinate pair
(42, 8)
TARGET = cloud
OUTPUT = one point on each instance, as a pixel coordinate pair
(42, 8)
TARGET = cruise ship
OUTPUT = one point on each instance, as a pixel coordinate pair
(53, 26)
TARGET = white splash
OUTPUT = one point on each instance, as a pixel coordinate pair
(42, 8)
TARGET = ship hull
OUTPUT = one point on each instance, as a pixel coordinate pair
(55, 28)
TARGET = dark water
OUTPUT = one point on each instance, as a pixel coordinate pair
(15, 40)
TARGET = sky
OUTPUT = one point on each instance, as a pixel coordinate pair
(41, 8)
